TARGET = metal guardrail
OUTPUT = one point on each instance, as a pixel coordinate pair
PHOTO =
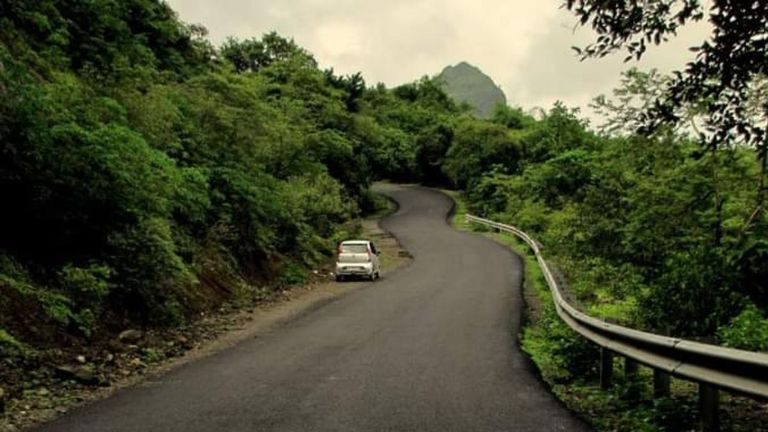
(713, 367)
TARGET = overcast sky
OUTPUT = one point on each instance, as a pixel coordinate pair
(524, 45)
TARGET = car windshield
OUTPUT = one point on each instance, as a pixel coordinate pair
(354, 248)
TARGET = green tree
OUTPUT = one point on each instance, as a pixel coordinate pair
(720, 79)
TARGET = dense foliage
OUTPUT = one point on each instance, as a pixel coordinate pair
(147, 175)
(653, 230)
(720, 100)
(725, 82)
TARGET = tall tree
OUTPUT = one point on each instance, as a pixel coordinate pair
(722, 77)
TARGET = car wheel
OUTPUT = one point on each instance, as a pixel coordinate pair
(339, 278)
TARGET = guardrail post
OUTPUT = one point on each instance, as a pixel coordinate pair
(606, 368)
(709, 408)
(630, 373)
(661, 381)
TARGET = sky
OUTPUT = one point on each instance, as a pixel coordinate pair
(524, 45)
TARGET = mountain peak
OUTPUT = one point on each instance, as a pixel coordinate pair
(467, 83)
(463, 66)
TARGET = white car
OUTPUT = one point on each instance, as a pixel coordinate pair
(358, 258)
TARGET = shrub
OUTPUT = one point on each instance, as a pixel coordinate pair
(87, 288)
(154, 282)
(749, 331)
(291, 274)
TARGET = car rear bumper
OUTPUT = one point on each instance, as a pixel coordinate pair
(354, 271)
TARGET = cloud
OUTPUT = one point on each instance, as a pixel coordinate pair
(552, 71)
(524, 45)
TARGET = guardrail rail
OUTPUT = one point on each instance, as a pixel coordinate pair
(712, 367)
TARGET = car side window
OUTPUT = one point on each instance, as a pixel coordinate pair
(373, 248)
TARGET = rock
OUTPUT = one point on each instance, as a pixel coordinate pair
(80, 359)
(184, 342)
(43, 392)
(137, 363)
(46, 414)
(116, 346)
(109, 358)
(64, 371)
(130, 336)
(82, 374)
(2, 400)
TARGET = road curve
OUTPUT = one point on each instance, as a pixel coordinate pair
(431, 347)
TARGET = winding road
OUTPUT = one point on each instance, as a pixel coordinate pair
(430, 347)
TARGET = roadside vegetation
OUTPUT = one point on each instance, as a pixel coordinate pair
(566, 363)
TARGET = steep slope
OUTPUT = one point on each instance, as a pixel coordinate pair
(467, 83)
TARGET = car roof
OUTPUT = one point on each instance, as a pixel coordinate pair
(356, 242)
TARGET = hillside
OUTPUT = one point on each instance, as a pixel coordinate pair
(467, 83)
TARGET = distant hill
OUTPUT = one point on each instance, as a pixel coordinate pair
(467, 83)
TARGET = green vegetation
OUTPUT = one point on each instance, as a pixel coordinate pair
(148, 176)
(650, 230)
(468, 85)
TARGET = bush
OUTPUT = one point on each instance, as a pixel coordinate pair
(749, 331)
(88, 289)
(87, 286)
(291, 274)
(154, 282)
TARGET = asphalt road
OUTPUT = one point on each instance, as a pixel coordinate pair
(430, 347)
